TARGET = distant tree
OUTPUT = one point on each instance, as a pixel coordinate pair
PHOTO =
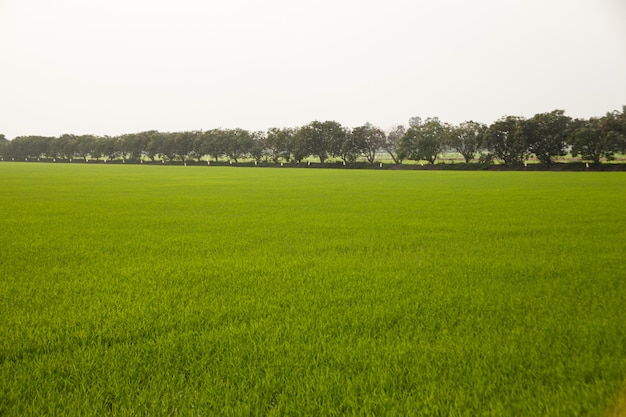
(351, 148)
(85, 146)
(280, 143)
(300, 146)
(598, 138)
(467, 139)
(32, 147)
(322, 139)
(370, 140)
(258, 150)
(182, 145)
(547, 135)
(16, 149)
(214, 143)
(168, 146)
(105, 147)
(238, 143)
(507, 140)
(64, 147)
(392, 143)
(415, 121)
(4, 146)
(135, 145)
(147, 144)
(621, 129)
(425, 141)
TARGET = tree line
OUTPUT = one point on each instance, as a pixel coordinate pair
(510, 140)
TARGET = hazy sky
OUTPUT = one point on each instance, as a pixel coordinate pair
(122, 66)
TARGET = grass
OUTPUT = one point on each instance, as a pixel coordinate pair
(148, 290)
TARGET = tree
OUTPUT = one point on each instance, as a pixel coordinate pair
(154, 141)
(168, 146)
(425, 141)
(300, 147)
(322, 139)
(598, 138)
(238, 143)
(370, 140)
(506, 139)
(467, 139)
(547, 135)
(622, 130)
(280, 143)
(4, 146)
(259, 148)
(85, 146)
(415, 121)
(351, 148)
(392, 143)
(23, 147)
(212, 143)
(134, 145)
(181, 145)
(105, 147)
(63, 147)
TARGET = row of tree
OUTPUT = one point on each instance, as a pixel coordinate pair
(511, 140)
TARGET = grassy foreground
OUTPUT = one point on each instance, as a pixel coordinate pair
(142, 290)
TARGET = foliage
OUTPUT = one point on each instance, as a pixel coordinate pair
(507, 140)
(322, 139)
(598, 138)
(280, 143)
(4, 146)
(392, 143)
(547, 135)
(351, 148)
(238, 143)
(510, 139)
(467, 139)
(424, 141)
(369, 140)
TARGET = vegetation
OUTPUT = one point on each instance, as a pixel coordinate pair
(180, 291)
(511, 140)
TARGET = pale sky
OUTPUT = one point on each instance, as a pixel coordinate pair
(109, 67)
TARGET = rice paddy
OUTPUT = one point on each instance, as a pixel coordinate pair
(149, 290)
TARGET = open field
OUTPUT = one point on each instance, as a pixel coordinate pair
(149, 290)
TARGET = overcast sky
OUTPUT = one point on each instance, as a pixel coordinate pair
(109, 67)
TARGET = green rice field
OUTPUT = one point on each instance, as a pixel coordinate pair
(219, 291)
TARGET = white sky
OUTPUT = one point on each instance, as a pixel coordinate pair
(122, 66)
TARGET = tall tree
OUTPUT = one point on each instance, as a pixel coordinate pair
(213, 143)
(23, 147)
(322, 139)
(370, 140)
(238, 143)
(425, 141)
(467, 139)
(4, 146)
(85, 146)
(280, 143)
(351, 148)
(258, 149)
(63, 147)
(105, 147)
(392, 143)
(183, 144)
(507, 140)
(598, 138)
(547, 135)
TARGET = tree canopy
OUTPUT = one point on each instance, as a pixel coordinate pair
(510, 139)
